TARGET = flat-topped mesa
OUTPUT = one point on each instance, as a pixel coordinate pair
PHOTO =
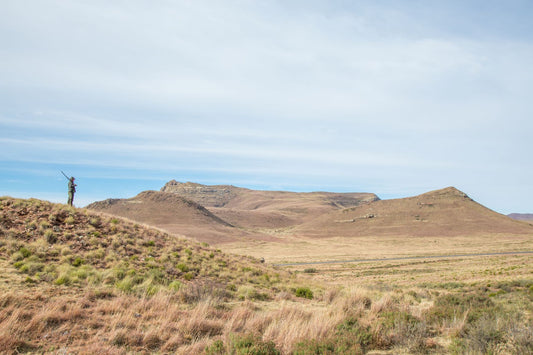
(243, 198)
(209, 196)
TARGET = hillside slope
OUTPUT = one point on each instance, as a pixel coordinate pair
(77, 281)
(445, 212)
(174, 214)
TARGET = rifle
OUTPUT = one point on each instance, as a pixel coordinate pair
(65, 175)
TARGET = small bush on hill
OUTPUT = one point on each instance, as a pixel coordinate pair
(304, 292)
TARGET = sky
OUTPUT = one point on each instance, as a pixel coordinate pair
(392, 97)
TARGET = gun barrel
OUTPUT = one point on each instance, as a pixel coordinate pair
(65, 175)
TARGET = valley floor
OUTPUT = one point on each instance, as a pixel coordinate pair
(293, 248)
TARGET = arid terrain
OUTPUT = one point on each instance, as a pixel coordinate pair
(180, 271)
(285, 227)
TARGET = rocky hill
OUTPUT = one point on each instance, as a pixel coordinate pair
(228, 214)
(265, 209)
(445, 212)
(209, 196)
(175, 214)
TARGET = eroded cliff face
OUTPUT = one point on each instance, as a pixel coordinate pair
(208, 196)
(242, 198)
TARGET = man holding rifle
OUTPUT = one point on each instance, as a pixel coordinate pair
(71, 188)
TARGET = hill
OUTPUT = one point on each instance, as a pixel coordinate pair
(441, 213)
(87, 282)
(265, 209)
(521, 216)
(288, 226)
(175, 214)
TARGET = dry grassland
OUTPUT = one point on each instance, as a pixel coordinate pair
(300, 249)
(72, 281)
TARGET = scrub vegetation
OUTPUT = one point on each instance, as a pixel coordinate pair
(76, 281)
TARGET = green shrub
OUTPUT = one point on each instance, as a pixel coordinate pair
(217, 348)
(313, 346)
(304, 292)
(95, 222)
(29, 280)
(62, 280)
(310, 270)
(251, 344)
(484, 335)
(25, 252)
(32, 268)
(250, 293)
(450, 306)
(356, 333)
(183, 267)
(17, 257)
(402, 328)
(125, 285)
(175, 285)
(77, 262)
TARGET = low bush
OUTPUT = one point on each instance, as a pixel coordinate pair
(304, 292)
(25, 252)
(450, 306)
(50, 237)
(251, 344)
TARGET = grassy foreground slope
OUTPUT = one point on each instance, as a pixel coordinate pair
(68, 274)
(75, 281)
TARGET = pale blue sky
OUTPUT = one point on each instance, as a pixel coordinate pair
(391, 97)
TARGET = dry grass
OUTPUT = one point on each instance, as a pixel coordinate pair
(357, 319)
(298, 248)
(236, 305)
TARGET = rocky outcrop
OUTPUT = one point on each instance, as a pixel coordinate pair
(209, 196)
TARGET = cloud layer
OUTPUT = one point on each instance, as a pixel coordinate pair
(392, 97)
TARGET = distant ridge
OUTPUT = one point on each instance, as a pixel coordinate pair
(521, 216)
(226, 214)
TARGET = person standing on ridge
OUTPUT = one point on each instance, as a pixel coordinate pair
(71, 190)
